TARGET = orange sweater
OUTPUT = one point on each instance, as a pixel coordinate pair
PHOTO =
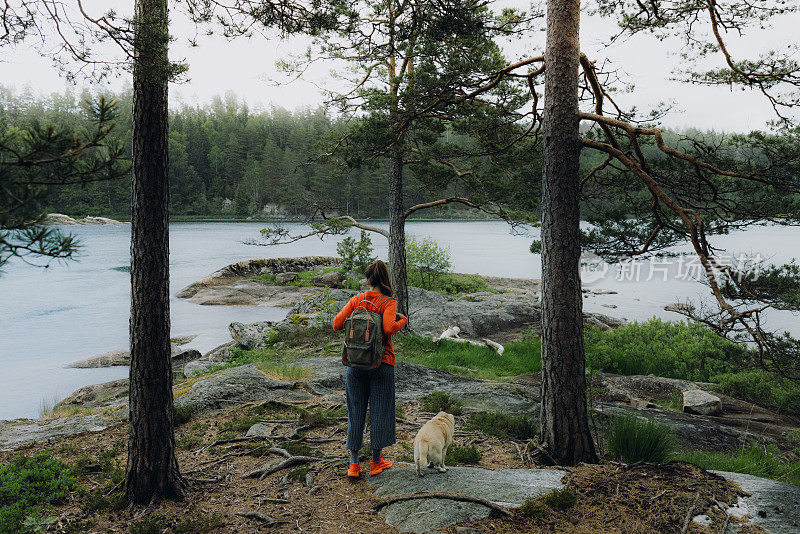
(388, 309)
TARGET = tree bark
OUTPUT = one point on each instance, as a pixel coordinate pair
(564, 415)
(152, 469)
(397, 231)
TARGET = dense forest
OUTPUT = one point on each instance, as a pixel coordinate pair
(226, 161)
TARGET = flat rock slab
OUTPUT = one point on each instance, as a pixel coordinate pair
(506, 487)
(19, 432)
(773, 506)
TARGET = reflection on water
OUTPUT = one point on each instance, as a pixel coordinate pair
(51, 317)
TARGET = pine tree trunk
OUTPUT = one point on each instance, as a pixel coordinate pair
(397, 232)
(564, 419)
(152, 469)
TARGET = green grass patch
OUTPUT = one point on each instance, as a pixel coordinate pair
(27, 485)
(441, 401)
(673, 404)
(299, 474)
(459, 358)
(468, 454)
(303, 278)
(758, 460)
(321, 417)
(240, 423)
(631, 439)
(503, 425)
(298, 449)
(181, 415)
(562, 499)
(559, 500)
(534, 508)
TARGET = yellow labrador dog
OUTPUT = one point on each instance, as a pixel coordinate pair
(432, 441)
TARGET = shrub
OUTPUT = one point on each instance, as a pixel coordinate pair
(181, 415)
(762, 388)
(455, 284)
(426, 261)
(631, 439)
(463, 455)
(562, 499)
(688, 351)
(503, 425)
(534, 508)
(28, 483)
(299, 474)
(356, 254)
(440, 401)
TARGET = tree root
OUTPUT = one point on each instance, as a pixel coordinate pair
(451, 496)
(288, 462)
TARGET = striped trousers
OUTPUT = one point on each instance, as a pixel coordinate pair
(373, 389)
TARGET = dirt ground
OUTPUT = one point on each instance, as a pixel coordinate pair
(610, 497)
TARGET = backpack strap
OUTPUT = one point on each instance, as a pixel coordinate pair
(360, 300)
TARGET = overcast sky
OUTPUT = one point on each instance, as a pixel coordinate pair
(246, 67)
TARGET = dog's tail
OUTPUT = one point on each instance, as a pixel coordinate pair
(420, 455)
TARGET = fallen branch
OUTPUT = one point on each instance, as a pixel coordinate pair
(452, 334)
(450, 496)
(690, 514)
(495, 345)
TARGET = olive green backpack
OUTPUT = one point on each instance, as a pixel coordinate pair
(363, 336)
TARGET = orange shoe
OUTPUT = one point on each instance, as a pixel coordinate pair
(354, 471)
(377, 468)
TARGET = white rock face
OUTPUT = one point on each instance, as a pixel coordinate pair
(701, 402)
(98, 220)
(57, 219)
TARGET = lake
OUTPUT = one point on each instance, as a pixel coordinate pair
(72, 310)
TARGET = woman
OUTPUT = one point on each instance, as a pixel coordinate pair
(373, 388)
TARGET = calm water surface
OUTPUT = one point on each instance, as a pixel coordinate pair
(51, 317)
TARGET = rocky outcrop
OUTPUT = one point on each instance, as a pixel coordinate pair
(59, 219)
(122, 357)
(15, 434)
(504, 487)
(701, 402)
(98, 220)
(414, 381)
(107, 359)
(237, 278)
(771, 505)
(96, 394)
(231, 387)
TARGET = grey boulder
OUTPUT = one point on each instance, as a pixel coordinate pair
(699, 402)
(285, 278)
(330, 279)
(231, 387)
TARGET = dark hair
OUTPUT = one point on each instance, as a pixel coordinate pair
(378, 276)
